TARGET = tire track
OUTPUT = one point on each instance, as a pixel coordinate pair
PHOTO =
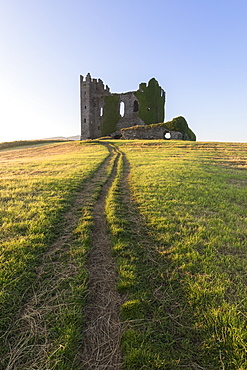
(102, 333)
(28, 339)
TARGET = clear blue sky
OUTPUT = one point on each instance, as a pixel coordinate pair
(196, 49)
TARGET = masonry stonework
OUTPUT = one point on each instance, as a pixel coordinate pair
(132, 115)
(92, 93)
(155, 131)
(101, 109)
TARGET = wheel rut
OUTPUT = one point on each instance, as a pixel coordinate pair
(103, 330)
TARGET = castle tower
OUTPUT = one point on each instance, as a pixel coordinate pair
(92, 92)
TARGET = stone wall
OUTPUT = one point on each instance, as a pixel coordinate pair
(101, 110)
(158, 131)
(131, 108)
(131, 115)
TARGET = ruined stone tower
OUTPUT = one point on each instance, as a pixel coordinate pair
(92, 93)
(104, 113)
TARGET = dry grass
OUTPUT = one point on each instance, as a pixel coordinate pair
(38, 152)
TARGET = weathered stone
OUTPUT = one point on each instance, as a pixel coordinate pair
(131, 115)
(92, 93)
(101, 109)
(156, 131)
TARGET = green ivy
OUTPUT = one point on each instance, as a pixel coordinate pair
(151, 102)
(177, 124)
(180, 124)
(111, 114)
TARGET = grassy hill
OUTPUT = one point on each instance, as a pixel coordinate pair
(175, 223)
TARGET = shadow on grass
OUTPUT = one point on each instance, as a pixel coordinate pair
(162, 330)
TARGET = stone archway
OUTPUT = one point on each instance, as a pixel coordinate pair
(167, 135)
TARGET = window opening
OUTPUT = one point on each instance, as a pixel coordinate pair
(122, 109)
(85, 120)
(101, 111)
(167, 135)
(136, 106)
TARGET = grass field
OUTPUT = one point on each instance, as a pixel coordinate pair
(176, 214)
(38, 185)
(180, 244)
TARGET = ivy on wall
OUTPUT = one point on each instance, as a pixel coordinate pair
(111, 114)
(151, 102)
(151, 110)
(180, 124)
(177, 124)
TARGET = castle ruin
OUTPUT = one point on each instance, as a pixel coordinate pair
(132, 115)
(104, 113)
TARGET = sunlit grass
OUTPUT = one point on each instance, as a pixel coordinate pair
(182, 260)
(37, 187)
(179, 238)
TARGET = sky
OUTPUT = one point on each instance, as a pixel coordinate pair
(196, 50)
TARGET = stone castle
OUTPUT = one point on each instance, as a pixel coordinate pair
(104, 113)
(134, 114)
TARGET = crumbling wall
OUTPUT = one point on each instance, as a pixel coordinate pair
(155, 131)
(101, 110)
(113, 121)
(135, 114)
(131, 110)
(180, 124)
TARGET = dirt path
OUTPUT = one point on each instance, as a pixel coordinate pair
(102, 332)
(103, 329)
